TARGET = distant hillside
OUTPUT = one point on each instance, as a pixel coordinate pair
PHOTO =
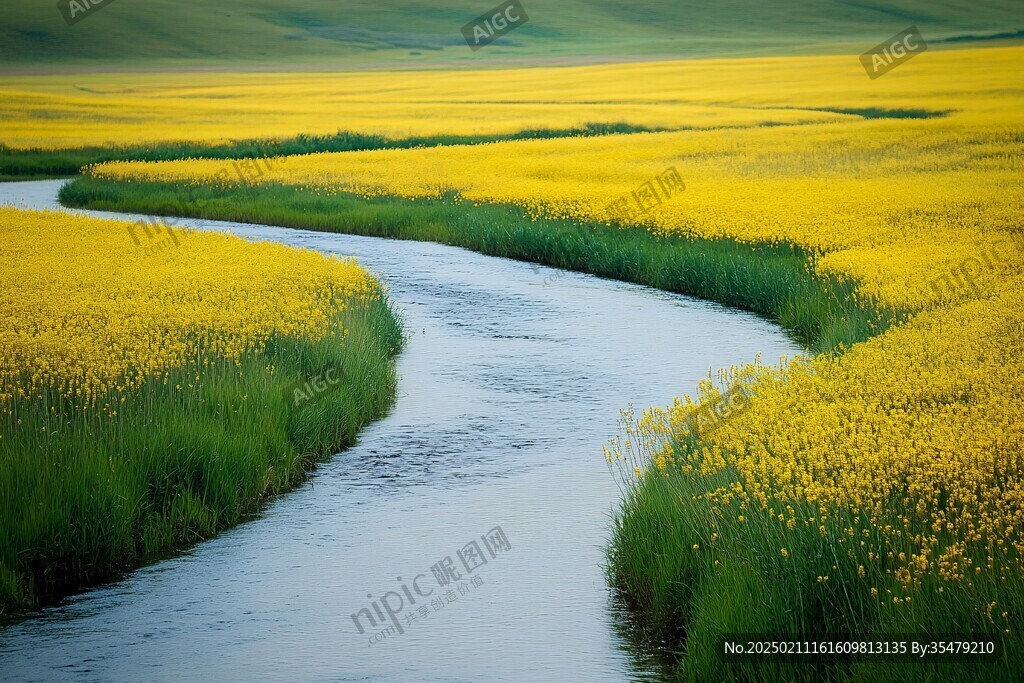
(377, 33)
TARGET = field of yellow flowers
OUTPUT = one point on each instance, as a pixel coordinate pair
(874, 489)
(892, 203)
(96, 308)
(57, 112)
(54, 112)
(146, 369)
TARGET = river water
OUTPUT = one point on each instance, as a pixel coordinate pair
(512, 379)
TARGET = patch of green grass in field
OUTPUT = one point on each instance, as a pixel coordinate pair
(774, 281)
(88, 495)
(24, 164)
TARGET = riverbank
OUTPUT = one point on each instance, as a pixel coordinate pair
(200, 410)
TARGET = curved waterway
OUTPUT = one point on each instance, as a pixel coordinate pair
(511, 381)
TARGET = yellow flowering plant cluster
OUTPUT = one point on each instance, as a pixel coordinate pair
(907, 448)
(155, 387)
(95, 306)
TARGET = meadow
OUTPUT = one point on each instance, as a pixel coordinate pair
(874, 488)
(151, 372)
(383, 35)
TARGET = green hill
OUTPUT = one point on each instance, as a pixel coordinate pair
(381, 33)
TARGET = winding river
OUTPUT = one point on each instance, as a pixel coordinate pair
(511, 381)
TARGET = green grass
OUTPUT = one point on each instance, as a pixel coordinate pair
(408, 34)
(24, 164)
(774, 281)
(684, 598)
(88, 495)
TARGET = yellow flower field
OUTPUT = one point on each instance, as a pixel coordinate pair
(275, 107)
(893, 204)
(94, 305)
(908, 446)
(57, 112)
(147, 377)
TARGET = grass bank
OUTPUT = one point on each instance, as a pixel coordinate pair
(182, 458)
(775, 281)
(25, 164)
(697, 573)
